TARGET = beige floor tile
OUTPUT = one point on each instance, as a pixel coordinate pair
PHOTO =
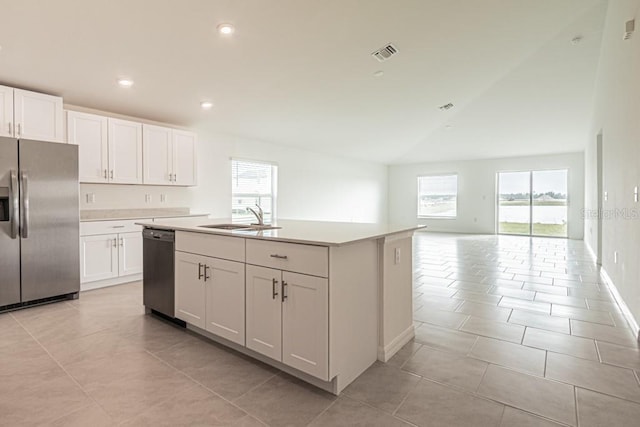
(12, 334)
(382, 386)
(447, 319)
(539, 307)
(484, 311)
(596, 376)
(447, 368)
(195, 406)
(445, 339)
(435, 405)
(561, 343)
(489, 328)
(284, 400)
(480, 297)
(26, 358)
(92, 415)
(561, 300)
(404, 354)
(105, 343)
(619, 355)
(615, 335)
(540, 396)
(514, 356)
(512, 293)
(575, 313)
(347, 412)
(599, 410)
(540, 321)
(513, 417)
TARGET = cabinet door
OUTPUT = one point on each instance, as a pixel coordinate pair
(158, 155)
(89, 133)
(130, 253)
(38, 116)
(190, 289)
(225, 299)
(184, 158)
(125, 152)
(264, 311)
(6, 111)
(98, 257)
(305, 324)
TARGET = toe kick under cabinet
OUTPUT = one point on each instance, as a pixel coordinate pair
(280, 300)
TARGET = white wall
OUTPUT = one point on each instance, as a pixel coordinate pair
(477, 191)
(617, 107)
(310, 185)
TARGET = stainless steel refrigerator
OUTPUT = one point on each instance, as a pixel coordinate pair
(39, 221)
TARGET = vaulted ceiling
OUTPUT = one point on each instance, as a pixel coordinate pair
(300, 73)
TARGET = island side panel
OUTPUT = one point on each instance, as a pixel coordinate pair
(396, 294)
(353, 310)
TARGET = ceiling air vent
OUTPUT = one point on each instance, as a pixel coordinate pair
(385, 53)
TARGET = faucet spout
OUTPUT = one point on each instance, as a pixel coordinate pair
(259, 214)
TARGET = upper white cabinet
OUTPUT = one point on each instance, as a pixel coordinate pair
(89, 132)
(110, 150)
(169, 156)
(125, 151)
(30, 115)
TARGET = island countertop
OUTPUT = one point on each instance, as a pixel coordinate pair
(321, 233)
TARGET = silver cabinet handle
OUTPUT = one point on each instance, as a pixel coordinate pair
(206, 267)
(175, 177)
(105, 174)
(279, 256)
(24, 184)
(115, 243)
(19, 129)
(284, 291)
(117, 226)
(200, 275)
(13, 203)
(122, 241)
(111, 174)
(274, 292)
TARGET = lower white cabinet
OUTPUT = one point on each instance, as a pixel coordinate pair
(98, 257)
(209, 294)
(287, 318)
(129, 253)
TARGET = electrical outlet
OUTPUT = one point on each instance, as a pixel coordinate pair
(397, 256)
(90, 197)
(163, 198)
(147, 198)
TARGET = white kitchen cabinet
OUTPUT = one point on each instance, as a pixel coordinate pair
(224, 290)
(129, 253)
(89, 133)
(190, 302)
(125, 151)
(30, 115)
(98, 257)
(287, 318)
(169, 156)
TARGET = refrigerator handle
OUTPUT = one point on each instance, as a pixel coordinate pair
(13, 204)
(24, 184)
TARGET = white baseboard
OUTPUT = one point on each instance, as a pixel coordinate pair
(633, 323)
(110, 282)
(387, 352)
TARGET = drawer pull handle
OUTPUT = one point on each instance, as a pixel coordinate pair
(274, 292)
(279, 256)
(117, 226)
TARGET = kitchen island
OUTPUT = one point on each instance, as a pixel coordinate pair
(319, 300)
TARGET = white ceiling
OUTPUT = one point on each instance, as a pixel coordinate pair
(300, 73)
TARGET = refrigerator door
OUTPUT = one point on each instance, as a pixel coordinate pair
(50, 225)
(9, 239)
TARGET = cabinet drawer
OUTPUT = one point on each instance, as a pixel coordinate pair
(231, 248)
(92, 228)
(306, 259)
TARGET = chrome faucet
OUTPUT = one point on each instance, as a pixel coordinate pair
(259, 215)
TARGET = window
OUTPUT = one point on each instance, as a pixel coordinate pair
(438, 196)
(253, 183)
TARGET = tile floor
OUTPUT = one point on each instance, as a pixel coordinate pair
(510, 331)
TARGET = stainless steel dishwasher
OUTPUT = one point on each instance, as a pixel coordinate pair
(158, 274)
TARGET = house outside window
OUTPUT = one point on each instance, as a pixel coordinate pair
(253, 183)
(438, 196)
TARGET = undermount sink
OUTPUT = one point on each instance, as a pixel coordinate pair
(242, 227)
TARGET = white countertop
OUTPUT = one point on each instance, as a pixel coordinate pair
(294, 231)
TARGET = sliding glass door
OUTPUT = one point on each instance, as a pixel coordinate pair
(533, 203)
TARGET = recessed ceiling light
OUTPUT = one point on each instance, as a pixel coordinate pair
(378, 73)
(206, 105)
(125, 82)
(448, 127)
(226, 29)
